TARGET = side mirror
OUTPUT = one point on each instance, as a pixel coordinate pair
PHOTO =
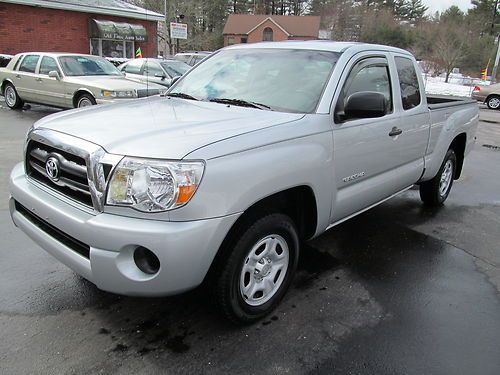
(54, 74)
(366, 104)
(160, 75)
(175, 79)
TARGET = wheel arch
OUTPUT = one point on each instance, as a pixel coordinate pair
(79, 93)
(299, 203)
(458, 146)
(4, 83)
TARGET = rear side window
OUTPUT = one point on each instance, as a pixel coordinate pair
(47, 65)
(408, 82)
(29, 63)
(133, 67)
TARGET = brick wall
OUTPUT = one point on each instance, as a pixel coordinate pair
(25, 28)
(256, 35)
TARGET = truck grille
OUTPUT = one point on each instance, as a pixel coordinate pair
(59, 170)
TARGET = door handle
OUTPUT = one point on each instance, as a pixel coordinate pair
(395, 131)
(18, 76)
(38, 79)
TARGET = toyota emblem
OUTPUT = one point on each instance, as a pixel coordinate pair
(52, 168)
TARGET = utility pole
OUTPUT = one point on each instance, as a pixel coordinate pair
(167, 31)
(494, 72)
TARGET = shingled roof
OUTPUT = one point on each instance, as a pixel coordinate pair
(110, 7)
(242, 24)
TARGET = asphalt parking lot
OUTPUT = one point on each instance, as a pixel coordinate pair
(401, 289)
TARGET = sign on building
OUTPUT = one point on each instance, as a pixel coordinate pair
(178, 30)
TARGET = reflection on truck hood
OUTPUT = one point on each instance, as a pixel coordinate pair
(114, 83)
(159, 127)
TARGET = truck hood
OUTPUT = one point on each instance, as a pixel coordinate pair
(112, 83)
(158, 127)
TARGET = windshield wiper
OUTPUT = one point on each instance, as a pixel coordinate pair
(181, 95)
(240, 102)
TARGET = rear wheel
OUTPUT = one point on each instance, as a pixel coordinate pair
(12, 99)
(493, 102)
(259, 269)
(85, 100)
(434, 192)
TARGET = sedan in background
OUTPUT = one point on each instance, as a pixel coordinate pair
(490, 95)
(67, 81)
(157, 71)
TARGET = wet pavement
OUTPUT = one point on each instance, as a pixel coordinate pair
(400, 289)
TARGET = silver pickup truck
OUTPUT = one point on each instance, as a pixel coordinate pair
(258, 148)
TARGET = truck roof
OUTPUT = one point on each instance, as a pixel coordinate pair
(322, 45)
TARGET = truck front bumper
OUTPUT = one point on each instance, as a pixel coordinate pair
(185, 249)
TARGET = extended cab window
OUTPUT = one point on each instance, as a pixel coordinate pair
(29, 63)
(408, 82)
(47, 65)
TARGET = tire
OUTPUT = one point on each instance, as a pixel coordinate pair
(12, 98)
(493, 102)
(434, 192)
(263, 255)
(85, 100)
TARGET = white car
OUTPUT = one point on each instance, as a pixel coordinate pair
(67, 81)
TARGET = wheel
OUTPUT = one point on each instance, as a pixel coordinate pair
(258, 269)
(434, 192)
(12, 99)
(85, 100)
(493, 102)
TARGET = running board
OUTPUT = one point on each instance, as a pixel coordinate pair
(367, 208)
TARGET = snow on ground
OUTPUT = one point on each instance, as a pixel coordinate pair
(437, 86)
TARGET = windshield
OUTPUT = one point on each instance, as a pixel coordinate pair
(288, 80)
(175, 68)
(87, 66)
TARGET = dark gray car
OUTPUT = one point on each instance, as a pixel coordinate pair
(157, 71)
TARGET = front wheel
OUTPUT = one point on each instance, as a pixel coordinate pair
(493, 102)
(85, 100)
(12, 99)
(434, 192)
(259, 269)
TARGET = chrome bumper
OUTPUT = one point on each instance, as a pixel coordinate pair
(185, 249)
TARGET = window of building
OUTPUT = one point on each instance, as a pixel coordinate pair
(29, 63)
(112, 48)
(47, 65)
(408, 83)
(267, 35)
(244, 39)
(230, 40)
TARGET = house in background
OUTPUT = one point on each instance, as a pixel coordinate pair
(109, 28)
(249, 28)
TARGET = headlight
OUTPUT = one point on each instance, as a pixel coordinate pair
(151, 185)
(118, 94)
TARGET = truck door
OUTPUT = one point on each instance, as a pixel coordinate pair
(366, 153)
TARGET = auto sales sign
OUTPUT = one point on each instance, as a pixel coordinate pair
(178, 30)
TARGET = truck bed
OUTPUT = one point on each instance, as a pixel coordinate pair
(441, 101)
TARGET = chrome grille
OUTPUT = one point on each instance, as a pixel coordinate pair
(72, 180)
(142, 93)
(83, 168)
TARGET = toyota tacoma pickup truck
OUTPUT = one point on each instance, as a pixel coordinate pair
(255, 150)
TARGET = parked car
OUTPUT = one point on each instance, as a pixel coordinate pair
(4, 60)
(192, 58)
(158, 71)
(67, 81)
(243, 160)
(490, 95)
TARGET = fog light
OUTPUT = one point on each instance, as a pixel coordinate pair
(146, 260)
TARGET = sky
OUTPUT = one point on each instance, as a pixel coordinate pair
(440, 5)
